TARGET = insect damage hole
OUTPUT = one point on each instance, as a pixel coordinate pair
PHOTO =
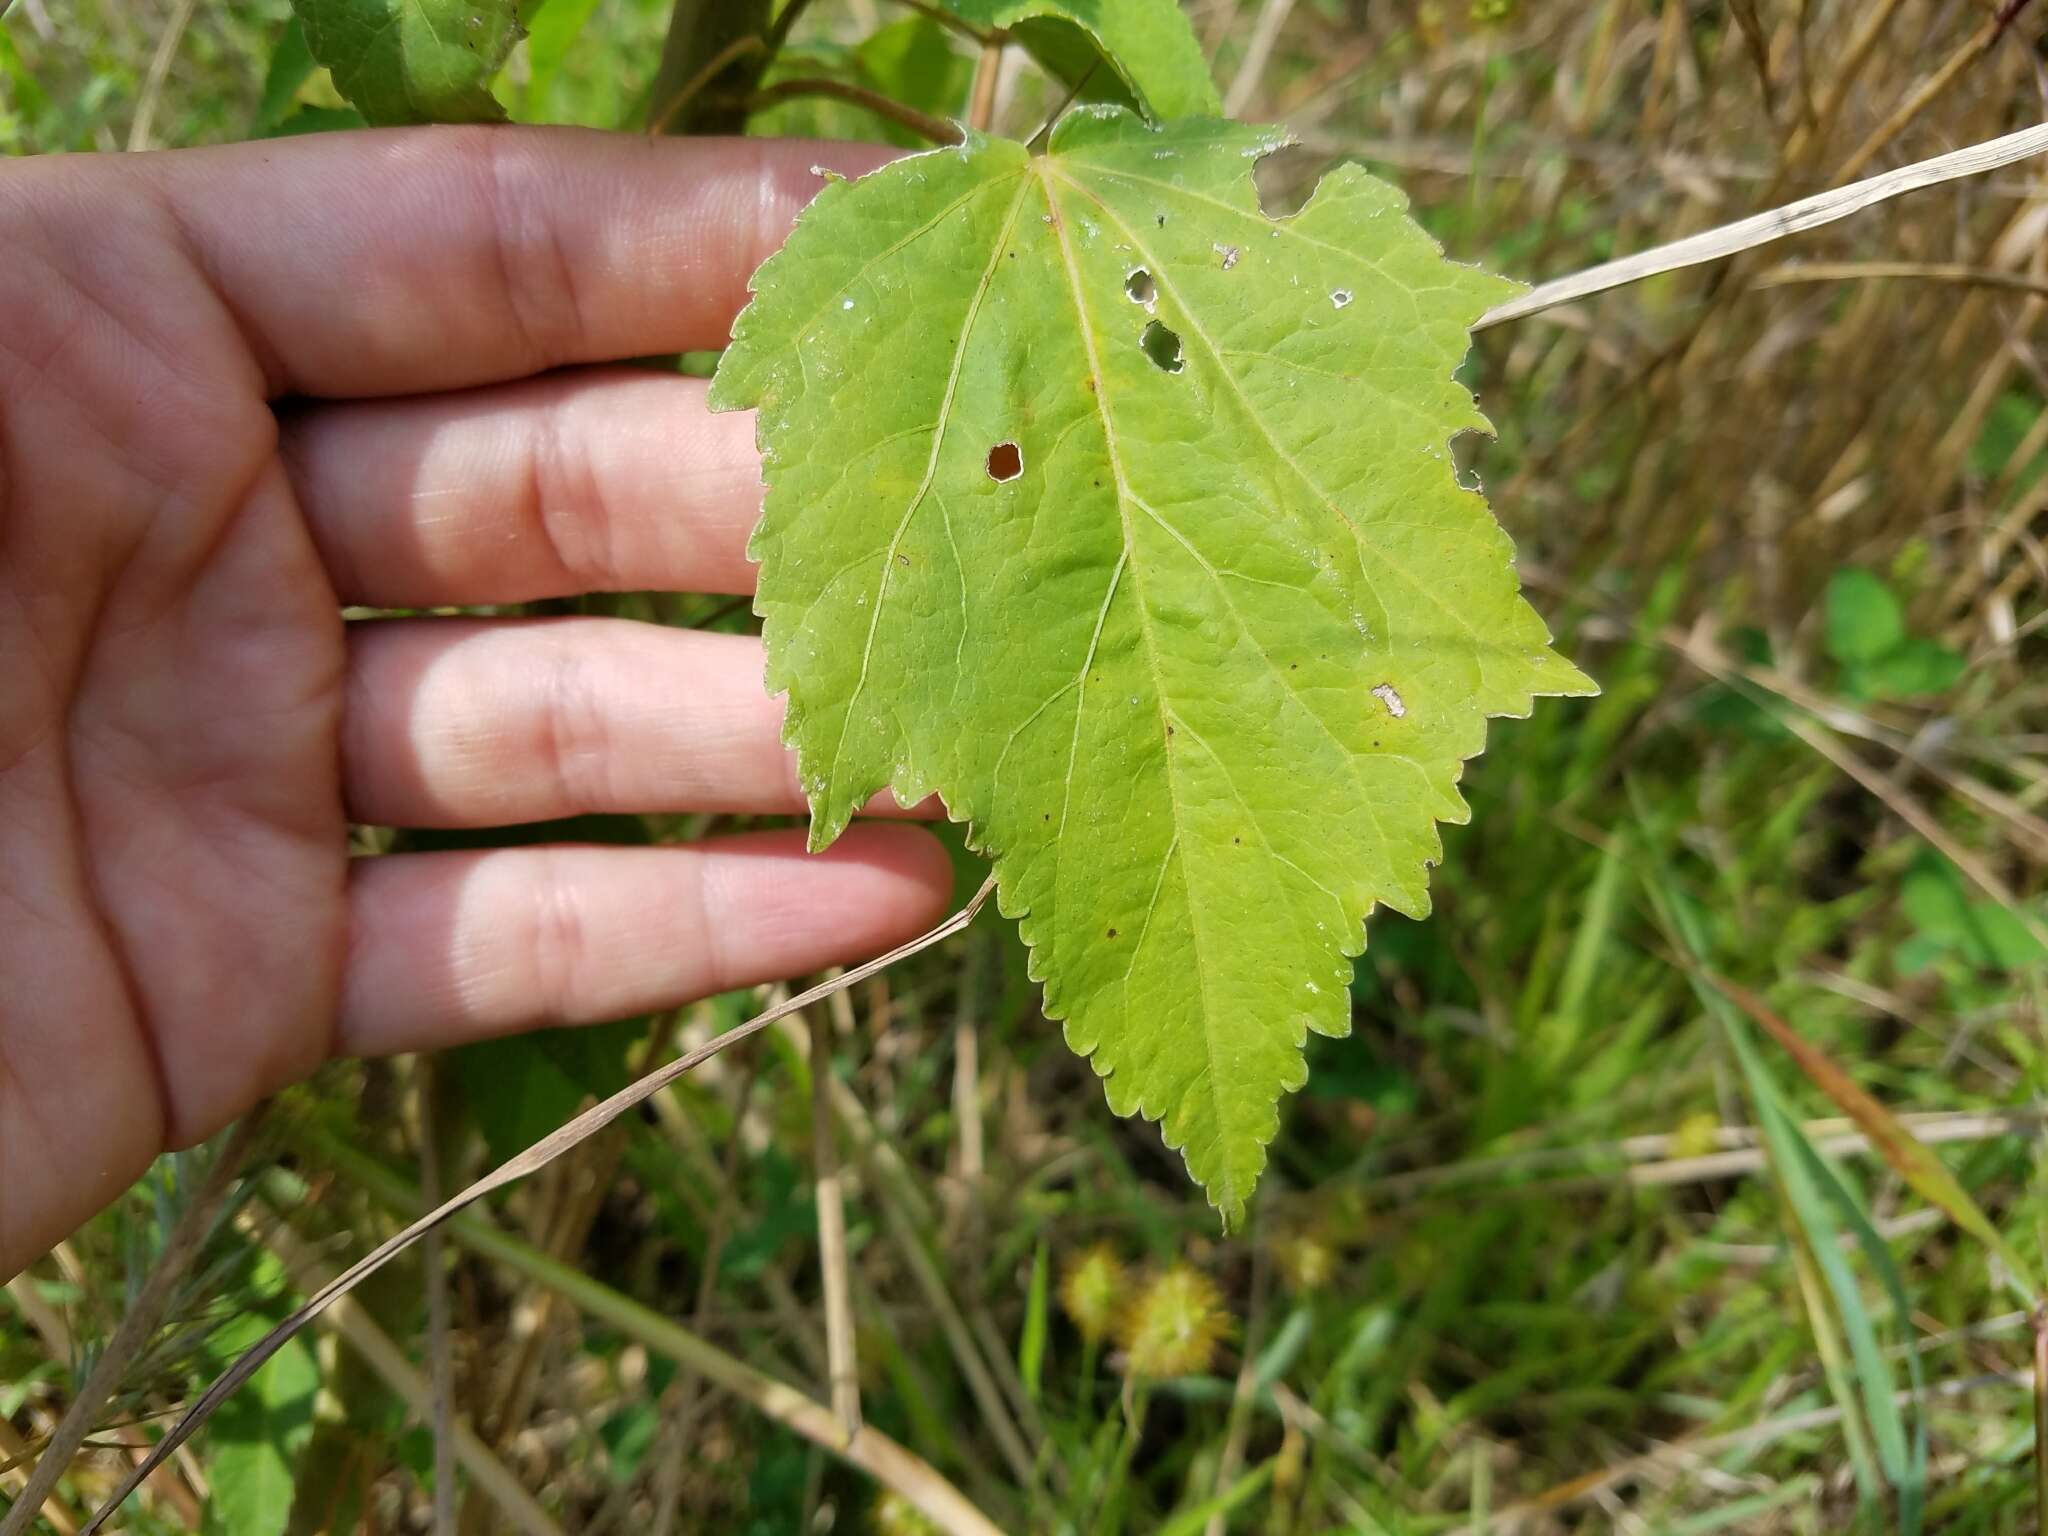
(1386, 695)
(1339, 297)
(1140, 288)
(1005, 461)
(1163, 347)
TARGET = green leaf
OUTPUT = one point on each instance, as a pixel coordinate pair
(291, 65)
(257, 1437)
(413, 61)
(1864, 620)
(913, 61)
(1196, 647)
(522, 1087)
(1140, 52)
(1987, 934)
(1037, 1315)
(1914, 667)
(552, 30)
(318, 120)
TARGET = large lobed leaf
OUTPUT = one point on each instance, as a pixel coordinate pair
(1202, 672)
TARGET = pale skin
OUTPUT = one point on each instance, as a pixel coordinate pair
(243, 388)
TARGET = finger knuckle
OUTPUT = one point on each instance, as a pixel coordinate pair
(566, 505)
(576, 732)
(531, 262)
(560, 951)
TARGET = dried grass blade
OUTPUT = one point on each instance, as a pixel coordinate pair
(539, 1155)
(1776, 224)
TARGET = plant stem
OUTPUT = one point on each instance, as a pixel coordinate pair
(442, 1405)
(871, 1451)
(535, 1157)
(1137, 1398)
(349, 1321)
(935, 129)
(946, 19)
(2041, 1414)
(784, 24)
(739, 48)
(139, 1324)
(710, 43)
(981, 107)
(842, 1367)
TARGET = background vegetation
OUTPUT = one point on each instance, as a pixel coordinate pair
(1523, 1256)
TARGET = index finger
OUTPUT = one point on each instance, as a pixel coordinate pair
(404, 260)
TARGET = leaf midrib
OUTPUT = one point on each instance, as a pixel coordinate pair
(1226, 1174)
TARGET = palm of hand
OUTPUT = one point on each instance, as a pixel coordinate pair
(174, 716)
(186, 723)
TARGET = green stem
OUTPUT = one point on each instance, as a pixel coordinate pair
(1109, 1513)
(710, 62)
(870, 1450)
(936, 130)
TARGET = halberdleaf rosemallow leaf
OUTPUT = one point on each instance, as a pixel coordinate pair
(1123, 516)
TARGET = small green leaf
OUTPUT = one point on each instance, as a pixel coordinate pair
(1864, 620)
(257, 1437)
(1196, 633)
(291, 65)
(1037, 1316)
(553, 26)
(414, 61)
(1138, 52)
(522, 1087)
(913, 61)
(317, 120)
(1914, 667)
(1985, 934)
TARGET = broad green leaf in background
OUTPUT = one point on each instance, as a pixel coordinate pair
(257, 1438)
(552, 28)
(1123, 516)
(1947, 919)
(1866, 632)
(1864, 620)
(413, 61)
(1914, 667)
(523, 1086)
(1140, 52)
(291, 65)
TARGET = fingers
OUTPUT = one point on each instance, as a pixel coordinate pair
(421, 259)
(451, 947)
(487, 723)
(613, 480)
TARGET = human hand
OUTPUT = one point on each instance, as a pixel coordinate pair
(186, 723)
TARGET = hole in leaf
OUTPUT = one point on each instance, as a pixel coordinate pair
(1141, 288)
(1228, 253)
(1340, 297)
(1005, 461)
(1163, 347)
